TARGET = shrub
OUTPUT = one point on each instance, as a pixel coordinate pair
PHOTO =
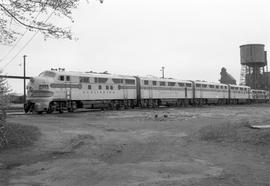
(17, 135)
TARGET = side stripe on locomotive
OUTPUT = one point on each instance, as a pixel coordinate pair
(65, 85)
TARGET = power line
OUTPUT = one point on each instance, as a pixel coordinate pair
(20, 50)
(17, 42)
(26, 43)
(14, 46)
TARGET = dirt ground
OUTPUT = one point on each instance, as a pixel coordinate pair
(137, 148)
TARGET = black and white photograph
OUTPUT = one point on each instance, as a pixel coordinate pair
(134, 93)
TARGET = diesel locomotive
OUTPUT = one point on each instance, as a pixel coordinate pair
(60, 90)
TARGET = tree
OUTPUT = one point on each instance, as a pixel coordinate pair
(27, 13)
(4, 102)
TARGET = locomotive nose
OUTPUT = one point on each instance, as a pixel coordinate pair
(38, 88)
(39, 94)
(38, 83)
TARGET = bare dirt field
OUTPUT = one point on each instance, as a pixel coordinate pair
(163, 147)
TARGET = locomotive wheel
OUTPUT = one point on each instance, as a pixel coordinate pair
(118, 106)
(50, 110)
(70, 110)
(111, 106)
(26, 107)
(71, 106)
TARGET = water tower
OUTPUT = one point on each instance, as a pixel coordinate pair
(253, 62)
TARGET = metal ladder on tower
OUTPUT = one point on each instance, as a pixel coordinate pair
(243, 73)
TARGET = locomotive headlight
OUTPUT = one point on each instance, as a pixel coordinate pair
(43, 87)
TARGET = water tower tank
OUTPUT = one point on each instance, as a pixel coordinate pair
(252, 55)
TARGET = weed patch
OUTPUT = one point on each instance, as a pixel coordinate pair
(228, 132)
(218, 133)
(17, 135)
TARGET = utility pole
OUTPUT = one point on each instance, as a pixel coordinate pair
(24, 87)
(162, 70)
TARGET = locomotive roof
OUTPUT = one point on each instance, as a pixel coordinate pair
(244, 86)
(153, 78)
(212, 83)
(74, 73)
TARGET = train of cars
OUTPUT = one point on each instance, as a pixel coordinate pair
(60, 90)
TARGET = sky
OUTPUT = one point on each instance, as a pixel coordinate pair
(192, 39)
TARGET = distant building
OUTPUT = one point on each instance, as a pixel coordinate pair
(226, 78)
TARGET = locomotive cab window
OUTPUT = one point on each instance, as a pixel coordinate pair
(162, 83)
(181, 84)
(117, 81)
(102, 80)
(62, 78)
(84, 80)
(171, 84)
(188, 84)
(130, 81)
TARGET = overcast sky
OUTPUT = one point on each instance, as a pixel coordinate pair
(192, 39)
